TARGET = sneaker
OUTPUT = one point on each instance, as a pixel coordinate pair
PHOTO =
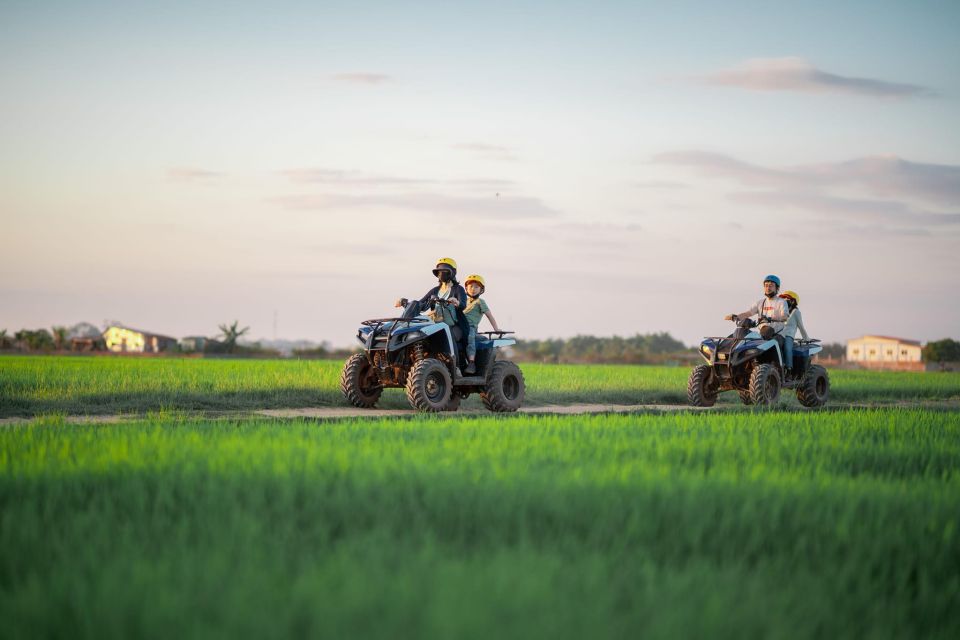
(471, 369)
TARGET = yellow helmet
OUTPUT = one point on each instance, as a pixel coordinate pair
(791, 294)
(476, 278)
(450, 262)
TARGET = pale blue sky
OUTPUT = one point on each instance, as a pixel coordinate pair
(177, 166)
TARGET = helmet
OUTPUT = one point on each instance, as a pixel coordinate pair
(791, 294)
(450, 262)
(478, 279)
(774, 279)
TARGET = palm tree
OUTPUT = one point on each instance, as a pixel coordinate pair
(230, 335)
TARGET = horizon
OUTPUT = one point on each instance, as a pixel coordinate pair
(611, 169)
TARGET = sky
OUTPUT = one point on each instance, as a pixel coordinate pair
(608, 167)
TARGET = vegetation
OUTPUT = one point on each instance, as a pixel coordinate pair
(800, 525)
(88, 384)
(231, 333)
(946, 350)
(654, 348)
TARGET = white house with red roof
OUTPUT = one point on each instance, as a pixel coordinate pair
(884, 351)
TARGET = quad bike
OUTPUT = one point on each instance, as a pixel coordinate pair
(752, 365)
(426, 358)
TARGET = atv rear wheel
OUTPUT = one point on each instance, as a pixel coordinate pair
(505, 387)
(359, 383)
(814, 389)
(745, 396)
(765, 385)
(429, 385)
(702, 386)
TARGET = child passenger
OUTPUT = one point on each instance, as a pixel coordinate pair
(794, 322)
(474, 312)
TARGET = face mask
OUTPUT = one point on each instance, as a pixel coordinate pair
(444, 276)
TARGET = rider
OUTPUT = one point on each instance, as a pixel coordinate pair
(772, 311)
(476, 309)
(794, 322)
(449, 291)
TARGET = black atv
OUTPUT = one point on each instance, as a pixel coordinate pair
(426, 358)
(752, 365)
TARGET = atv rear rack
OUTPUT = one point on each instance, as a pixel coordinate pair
(499, 334)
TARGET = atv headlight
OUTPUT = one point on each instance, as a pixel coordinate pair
(705, 348)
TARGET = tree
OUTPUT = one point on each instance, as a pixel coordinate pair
(231, 334)
(34, 340)
(59, 336)
(946, 350)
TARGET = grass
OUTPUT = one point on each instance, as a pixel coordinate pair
(773, 524)
(32, 385)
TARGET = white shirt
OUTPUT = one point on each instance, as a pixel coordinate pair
(794, 322)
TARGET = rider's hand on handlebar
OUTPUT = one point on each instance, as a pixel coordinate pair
(453, 301)
(730, 317)
(401, 302)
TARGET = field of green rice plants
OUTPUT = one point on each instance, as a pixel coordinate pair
(37, 385)
(718, 525)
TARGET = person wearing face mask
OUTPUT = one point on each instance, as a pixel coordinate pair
(449, 291)
(771, 311)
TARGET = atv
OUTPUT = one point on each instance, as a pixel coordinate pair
(752, 365)
(426, 358)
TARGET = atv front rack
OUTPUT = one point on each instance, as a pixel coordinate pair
(377, 323)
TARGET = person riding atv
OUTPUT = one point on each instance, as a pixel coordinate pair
(449, 291)
(423, 352)
(770, 310)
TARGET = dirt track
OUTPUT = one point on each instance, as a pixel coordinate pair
(333, 413)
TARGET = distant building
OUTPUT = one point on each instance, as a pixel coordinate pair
(198, 344)
(120, 339)
(885, 352)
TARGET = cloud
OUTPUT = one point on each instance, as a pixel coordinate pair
(894, 195)
(189, 174)
(658, 184)
(362, 78)
(487, 151)
(349, 178)
(341, 178)
(881, 175)
(876, 212)
(490, 207)
(798, 75)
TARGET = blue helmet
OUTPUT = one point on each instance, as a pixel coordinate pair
(774, 279)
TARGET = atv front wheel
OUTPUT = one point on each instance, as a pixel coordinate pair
(814, 389)
(745, 396)
(505, 388)
(429, 385)
(702, 387)
(765, 385)
(359, 383)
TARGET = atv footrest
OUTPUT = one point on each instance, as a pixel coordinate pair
(469, 380)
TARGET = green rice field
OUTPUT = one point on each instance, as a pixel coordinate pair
(721, 525)
(101, 385)
(191, 518)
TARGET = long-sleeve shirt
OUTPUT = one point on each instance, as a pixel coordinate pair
(794, 322)
(773, 308)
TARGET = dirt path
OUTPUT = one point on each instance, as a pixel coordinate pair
(333, 413)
